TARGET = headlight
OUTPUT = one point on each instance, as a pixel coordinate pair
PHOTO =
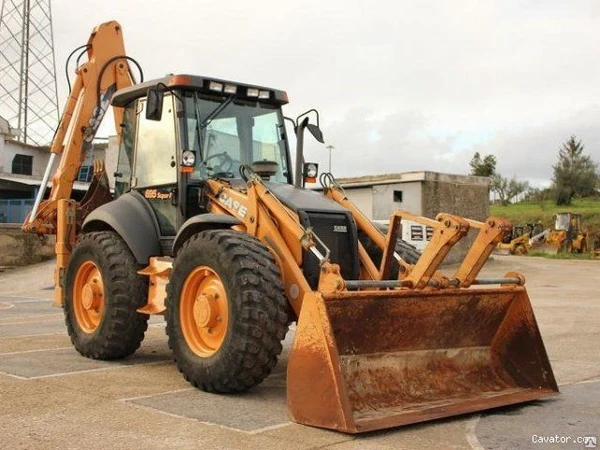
(230, 89)
(311, 170)
(214, 86)
(188, 158)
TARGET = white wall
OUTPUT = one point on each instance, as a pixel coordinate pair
(111, 159)
(415, 234)
(383, 199)
(362, 198)
(9, 149)
(377, 202)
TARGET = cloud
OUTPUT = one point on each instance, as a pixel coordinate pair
(400, 85)
(397, 142)
(530, 152)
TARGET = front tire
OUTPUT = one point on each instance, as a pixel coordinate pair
(521, 250)
(226, 311)
(101, 295)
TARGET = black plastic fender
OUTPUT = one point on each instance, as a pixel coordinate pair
(200, 223)
(133, 220)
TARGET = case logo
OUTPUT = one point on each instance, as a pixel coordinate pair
(230, 203)
(340, 229)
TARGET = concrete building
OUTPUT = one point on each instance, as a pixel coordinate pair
(422, 193)
(18, 161)
(22, 168)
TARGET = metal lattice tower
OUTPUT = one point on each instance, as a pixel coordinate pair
(28, 91)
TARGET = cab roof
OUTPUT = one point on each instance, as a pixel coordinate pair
(124, 97)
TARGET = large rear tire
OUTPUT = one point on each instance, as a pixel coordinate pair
(407, 252)
(101, 295)
(226, 311)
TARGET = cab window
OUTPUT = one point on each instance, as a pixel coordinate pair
(155, 160)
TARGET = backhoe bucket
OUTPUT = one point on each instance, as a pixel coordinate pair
(367, 360)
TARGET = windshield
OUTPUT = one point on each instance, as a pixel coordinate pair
(562, 222)
(234, 133)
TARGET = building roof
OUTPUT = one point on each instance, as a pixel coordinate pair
(7, 130)
(31, 181)
(28, 146)
(407, 177)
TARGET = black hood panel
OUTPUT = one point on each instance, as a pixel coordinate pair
(304, 199)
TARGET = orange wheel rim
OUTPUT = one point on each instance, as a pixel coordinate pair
(88, 297)
(203, 311)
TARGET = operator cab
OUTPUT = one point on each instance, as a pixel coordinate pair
(180, 130)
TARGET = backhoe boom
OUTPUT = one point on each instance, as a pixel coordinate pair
(97, 80)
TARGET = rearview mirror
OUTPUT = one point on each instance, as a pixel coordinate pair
(316, 132)
(154, 104)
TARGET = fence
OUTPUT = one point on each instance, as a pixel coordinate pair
(15, 211)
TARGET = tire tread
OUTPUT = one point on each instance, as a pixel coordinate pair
(255, 340)
(121, 331)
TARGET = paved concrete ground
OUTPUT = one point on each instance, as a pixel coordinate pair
(50, 397)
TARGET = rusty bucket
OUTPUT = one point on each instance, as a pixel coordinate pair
(548, 248)
(368, 360)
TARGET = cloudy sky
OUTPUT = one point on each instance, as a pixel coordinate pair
(400, 85)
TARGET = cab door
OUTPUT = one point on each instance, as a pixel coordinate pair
(155, 166)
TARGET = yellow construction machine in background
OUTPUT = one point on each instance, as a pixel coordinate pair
(566, 236)
(519, 240)
(515, 243)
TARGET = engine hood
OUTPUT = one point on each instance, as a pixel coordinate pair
(303, 199)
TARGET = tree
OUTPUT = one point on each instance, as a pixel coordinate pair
(538, 195)
(575, 174)
(507, 189)
(485, 167)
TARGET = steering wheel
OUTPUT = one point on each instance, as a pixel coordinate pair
(222, 165)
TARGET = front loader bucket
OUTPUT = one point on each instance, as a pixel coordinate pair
(367, 360)
(550, 249)
(502, 250)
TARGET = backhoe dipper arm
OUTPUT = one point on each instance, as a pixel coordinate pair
(97, 80)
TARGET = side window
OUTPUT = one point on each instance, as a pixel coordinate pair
(22, 164)
(123, 174)
(268, 144)
(156, 146)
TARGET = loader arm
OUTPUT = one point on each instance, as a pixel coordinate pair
(448, 230)
(105, 72)
(264, 217)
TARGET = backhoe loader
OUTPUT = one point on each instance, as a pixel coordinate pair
(520, 240)
(210, 224)
(567, 236)
(515, 243)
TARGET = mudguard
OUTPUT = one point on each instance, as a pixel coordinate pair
(132, 219)
(200, 223)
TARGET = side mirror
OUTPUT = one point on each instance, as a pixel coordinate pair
(154, 104)
(316, 132)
